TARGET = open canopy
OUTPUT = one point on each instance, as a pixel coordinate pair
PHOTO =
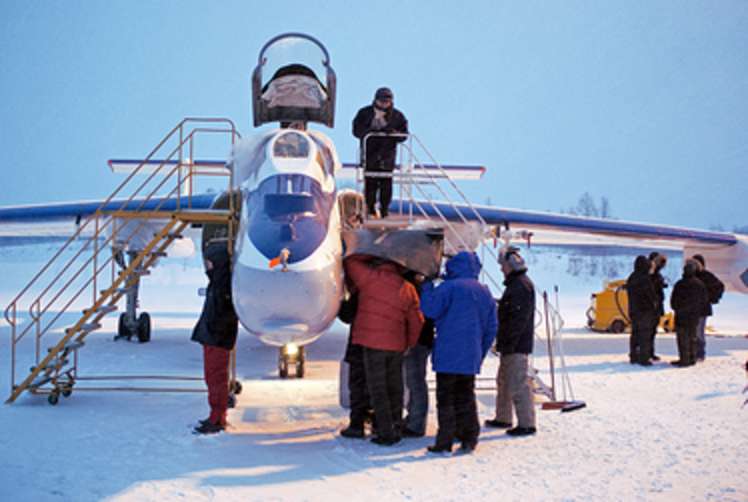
(286, 84)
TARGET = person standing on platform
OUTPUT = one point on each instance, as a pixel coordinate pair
(379, 152)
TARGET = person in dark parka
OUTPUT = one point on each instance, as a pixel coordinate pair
(689, 300)
(515, 343)
(642, 311)
(216, 330)
(464, 313)
(715, 288)
(379, 153)
(660, 284)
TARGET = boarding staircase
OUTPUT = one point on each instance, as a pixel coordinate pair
(426, 192)
(148, 212)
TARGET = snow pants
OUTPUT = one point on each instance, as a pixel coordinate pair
(357, 388)
(686, 336)
(701, 339)
(456, 409)
(513, 391)
(216, 367)
(384, 379)
(382, 186)
(641, 339)
(415, 379)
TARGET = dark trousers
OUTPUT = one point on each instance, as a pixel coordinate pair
(384, 379)
(686, 336)
(653, 331)
(640, 343)
(456, 409)
(357, 389)
(216, 367)
(383, 186)
(418, 391)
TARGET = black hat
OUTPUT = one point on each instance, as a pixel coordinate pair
(384, 93)
(700, 259)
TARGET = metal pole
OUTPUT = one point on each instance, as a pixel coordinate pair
(550, 346)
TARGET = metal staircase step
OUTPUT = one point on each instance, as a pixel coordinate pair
(104, 309)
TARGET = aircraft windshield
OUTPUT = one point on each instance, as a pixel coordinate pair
(291, 145)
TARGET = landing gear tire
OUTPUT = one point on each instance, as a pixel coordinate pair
(617, 326)
(122, 331)
(236, 387)
(144, 328)
(300, 369)
(283, 368)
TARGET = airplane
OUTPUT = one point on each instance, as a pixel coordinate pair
(292, 220)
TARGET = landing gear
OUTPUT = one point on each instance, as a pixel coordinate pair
(130, 324)
(140, 328)
(291, 354)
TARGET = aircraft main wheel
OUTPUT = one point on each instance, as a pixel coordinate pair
(144, 327)
(236, 387)
(283, 368)
(300, 369)
(617, 326)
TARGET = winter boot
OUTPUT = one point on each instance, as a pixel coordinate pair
(522, 431)
(497, 424)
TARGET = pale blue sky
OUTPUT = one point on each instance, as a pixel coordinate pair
(645, 102)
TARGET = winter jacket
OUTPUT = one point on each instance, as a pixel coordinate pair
(660, 284)
(380, 152)
(689, 300)
(464, 312)
(388, 316)
(641, 291)
(714, 287)
(516, 315)
(218, 324)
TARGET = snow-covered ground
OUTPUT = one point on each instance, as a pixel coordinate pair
(658, 433)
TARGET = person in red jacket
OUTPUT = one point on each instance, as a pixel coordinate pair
(388, 322)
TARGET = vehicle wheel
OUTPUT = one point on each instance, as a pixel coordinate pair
(67, 391)
(300, 369)
(617, 326)
(122, 331)
(283, 368)
(232, 401)
(236, 387)
(53, 398)
(144, 327)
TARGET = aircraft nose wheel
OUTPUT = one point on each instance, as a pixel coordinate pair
(291, 355)
(140, 328)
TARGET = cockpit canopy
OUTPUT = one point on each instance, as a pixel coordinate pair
(293, 92)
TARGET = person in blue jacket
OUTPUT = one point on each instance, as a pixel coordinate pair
(464, 312)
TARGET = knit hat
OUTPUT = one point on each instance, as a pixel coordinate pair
(384, 93)
(512, 258)
(699, 259)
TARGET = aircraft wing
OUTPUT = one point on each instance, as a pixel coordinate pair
(726, 253)
(40, 223)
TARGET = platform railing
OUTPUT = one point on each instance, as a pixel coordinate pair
(168, 189)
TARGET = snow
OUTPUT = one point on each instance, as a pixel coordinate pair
(659, 433)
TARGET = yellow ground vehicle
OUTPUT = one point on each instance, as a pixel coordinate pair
(610, 308)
